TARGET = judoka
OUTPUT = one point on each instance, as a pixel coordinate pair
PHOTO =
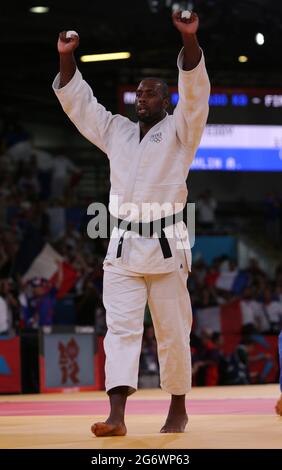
(149, 165)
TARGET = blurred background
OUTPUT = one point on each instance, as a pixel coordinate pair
(52, 319)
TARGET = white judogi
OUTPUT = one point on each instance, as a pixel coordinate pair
(125, 298)
(151, 171)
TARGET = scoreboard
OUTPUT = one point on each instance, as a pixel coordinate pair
(244, 129)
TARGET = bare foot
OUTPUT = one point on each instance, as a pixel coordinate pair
(107, 429)
(175, 424)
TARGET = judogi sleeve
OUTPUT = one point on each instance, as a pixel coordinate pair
(91, 118)
(192, 108)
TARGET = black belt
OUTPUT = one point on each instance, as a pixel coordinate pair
(148, 229)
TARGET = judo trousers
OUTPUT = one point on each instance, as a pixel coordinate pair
(125, 298)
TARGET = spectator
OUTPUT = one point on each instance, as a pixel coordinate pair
(9, 294)
(206, 359)
(4, 317)
(57, 220)
(271, 314)
(63, 168)
(206, 207)
(250, 311)
(40, 307)
(239, 362)
(44, 163)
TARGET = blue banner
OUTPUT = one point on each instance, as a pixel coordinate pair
(238, 159)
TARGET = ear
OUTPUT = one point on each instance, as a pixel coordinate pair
(166, 103)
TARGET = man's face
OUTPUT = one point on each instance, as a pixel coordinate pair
(150, 102)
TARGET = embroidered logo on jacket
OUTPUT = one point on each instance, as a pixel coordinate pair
(156, 137)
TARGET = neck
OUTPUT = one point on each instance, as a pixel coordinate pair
(146, 126)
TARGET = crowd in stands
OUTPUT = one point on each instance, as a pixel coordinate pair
(36, 212)
(242, 348)
(38, 208)
(256, 302)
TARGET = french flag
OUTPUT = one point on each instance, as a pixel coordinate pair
(45, 266)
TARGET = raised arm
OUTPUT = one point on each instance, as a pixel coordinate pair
(188, 29)
(77, 100)
(66, 47)
(191, 111)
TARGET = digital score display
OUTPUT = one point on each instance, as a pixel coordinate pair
(243, 133)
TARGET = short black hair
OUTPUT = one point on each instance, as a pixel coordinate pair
(163, 85)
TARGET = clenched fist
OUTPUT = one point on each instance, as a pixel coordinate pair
(185, 25)
(67, 45)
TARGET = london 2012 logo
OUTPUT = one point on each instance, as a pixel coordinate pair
(156, 137)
